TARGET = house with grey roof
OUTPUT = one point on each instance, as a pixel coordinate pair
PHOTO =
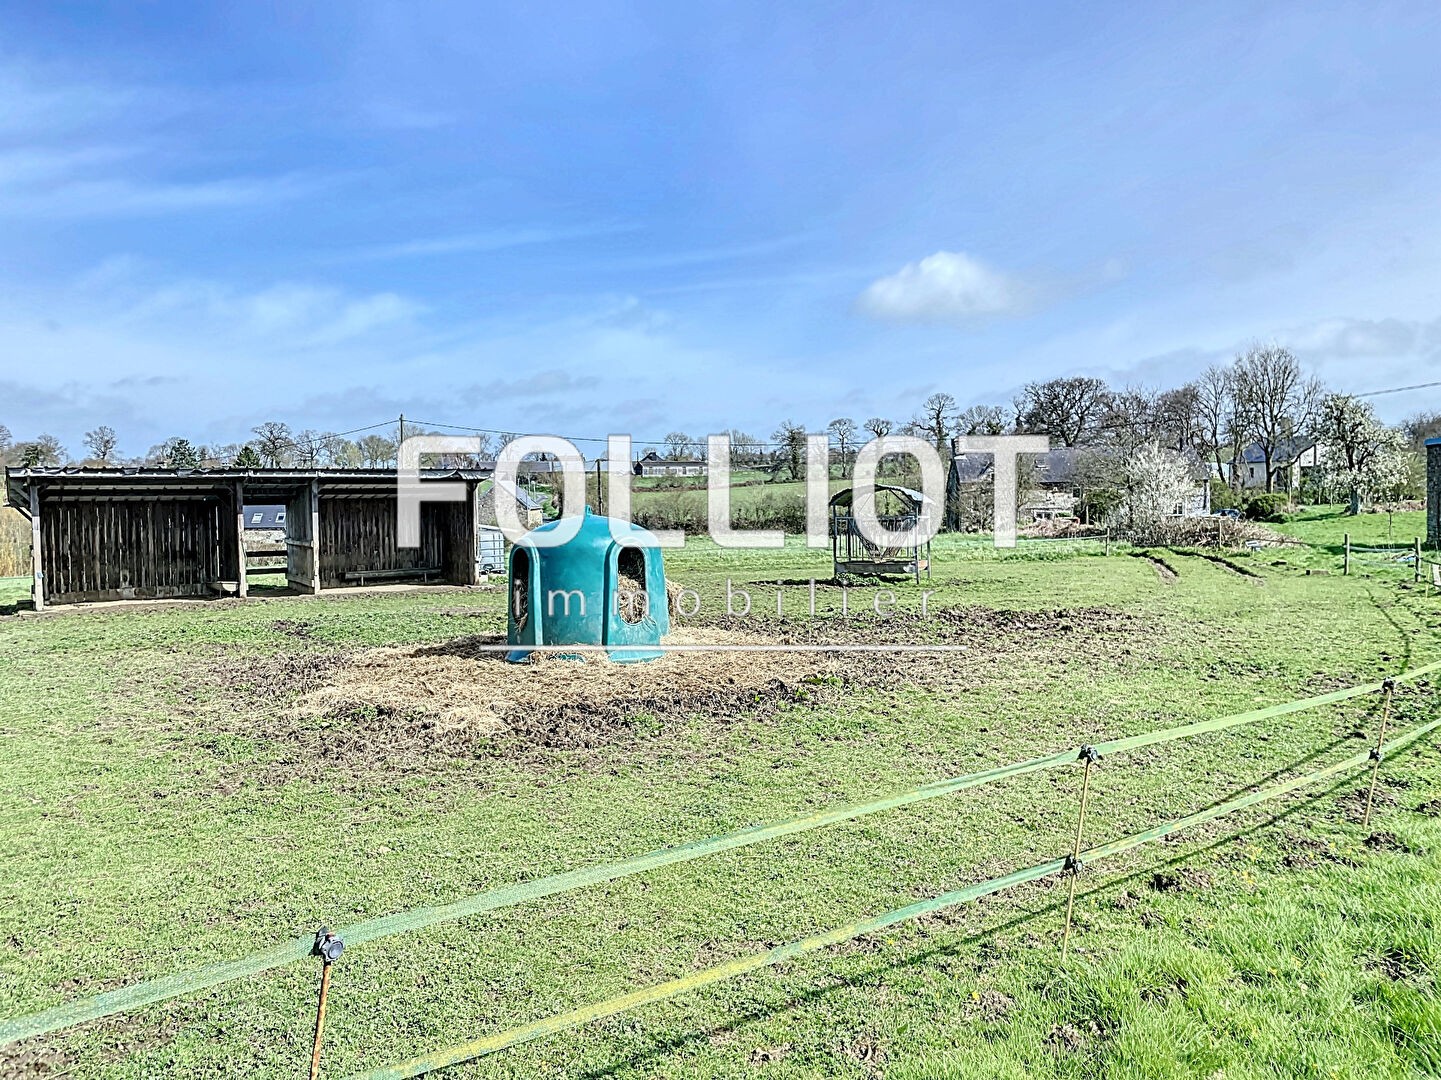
(1292, 461)
(1052, 484)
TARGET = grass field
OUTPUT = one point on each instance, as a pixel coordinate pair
(164, 805)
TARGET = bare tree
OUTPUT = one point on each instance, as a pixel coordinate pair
(1277, 399)
(745, 449)
(790, 440)
(1066, 409)
(982, 420)
(101, 443)
(6, 440)
(678, 446)
(936, 418)
(843, 432)
(274, 443)
(1417, 428)
(1220, 425)
(879, 427)
(309, 446)
(44, 452)
(1131, 418)
(376, 450)
(1178, 418)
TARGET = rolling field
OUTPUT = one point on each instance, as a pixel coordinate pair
(185, 784)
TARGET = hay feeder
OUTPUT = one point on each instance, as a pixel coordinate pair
(605, 586)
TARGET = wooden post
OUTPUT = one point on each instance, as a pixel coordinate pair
(1387, 689)
(315, 536)
(244, 588)
(37, 559)
(1346, 559)
(1416, 559)
(1073, 864)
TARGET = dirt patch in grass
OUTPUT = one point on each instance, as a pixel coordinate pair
(453, 694)
(1182, 880)
(1353, 804)
(31, 1059)
(1387, 841)
(1308, 852)
(1164, 570)
(1235, 568)
(1070, 1038)
(991, 1006)
(418, 707)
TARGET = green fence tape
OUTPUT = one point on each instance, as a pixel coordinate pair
(128, 998)
(552, 1025)
(137, 996)
(1270, 712)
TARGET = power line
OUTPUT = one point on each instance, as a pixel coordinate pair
(1399, 389)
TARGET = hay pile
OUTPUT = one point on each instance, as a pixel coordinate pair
(465, 689)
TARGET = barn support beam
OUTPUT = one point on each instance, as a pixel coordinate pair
(243, 589)
(37, 555)
(315, 536)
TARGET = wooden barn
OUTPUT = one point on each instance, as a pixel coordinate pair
(151, 534)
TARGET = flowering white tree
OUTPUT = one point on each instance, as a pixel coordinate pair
(1154, 486)
(1365, 458)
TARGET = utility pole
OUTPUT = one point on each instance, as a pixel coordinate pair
(402, 427)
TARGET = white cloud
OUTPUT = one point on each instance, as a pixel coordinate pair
(78, 149)
(1348, 338)
(949, 286)
(292, 314)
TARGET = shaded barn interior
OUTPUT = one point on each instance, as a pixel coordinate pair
(95, 547)
(150, 534)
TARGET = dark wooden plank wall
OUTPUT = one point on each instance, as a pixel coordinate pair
(360, 534)
(133, 549)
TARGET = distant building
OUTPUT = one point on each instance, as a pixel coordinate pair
(531, 509)
(1291, 463)
(652, 464)
(1052, 484)
(265, 517)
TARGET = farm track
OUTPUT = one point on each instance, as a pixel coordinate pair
(1164, 570)
(1251, 577)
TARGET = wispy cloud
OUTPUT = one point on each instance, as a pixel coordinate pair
(293, 314)
(949, 286)
(84, 149)
(124, 197)
(485, 240)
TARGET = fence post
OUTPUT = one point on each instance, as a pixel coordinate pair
(1387, 689)
(1108, 541)
(328, 947)
(1346, 559)
(1073, 861)
(1416, 559)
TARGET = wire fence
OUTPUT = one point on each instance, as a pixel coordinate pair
(130, 998)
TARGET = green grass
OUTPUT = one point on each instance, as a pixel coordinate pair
(149, 821)
(1327, 526)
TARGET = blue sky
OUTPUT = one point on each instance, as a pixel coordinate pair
(583, 218)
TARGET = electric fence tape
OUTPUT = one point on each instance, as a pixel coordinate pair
(138, 995)
(490, 1044)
